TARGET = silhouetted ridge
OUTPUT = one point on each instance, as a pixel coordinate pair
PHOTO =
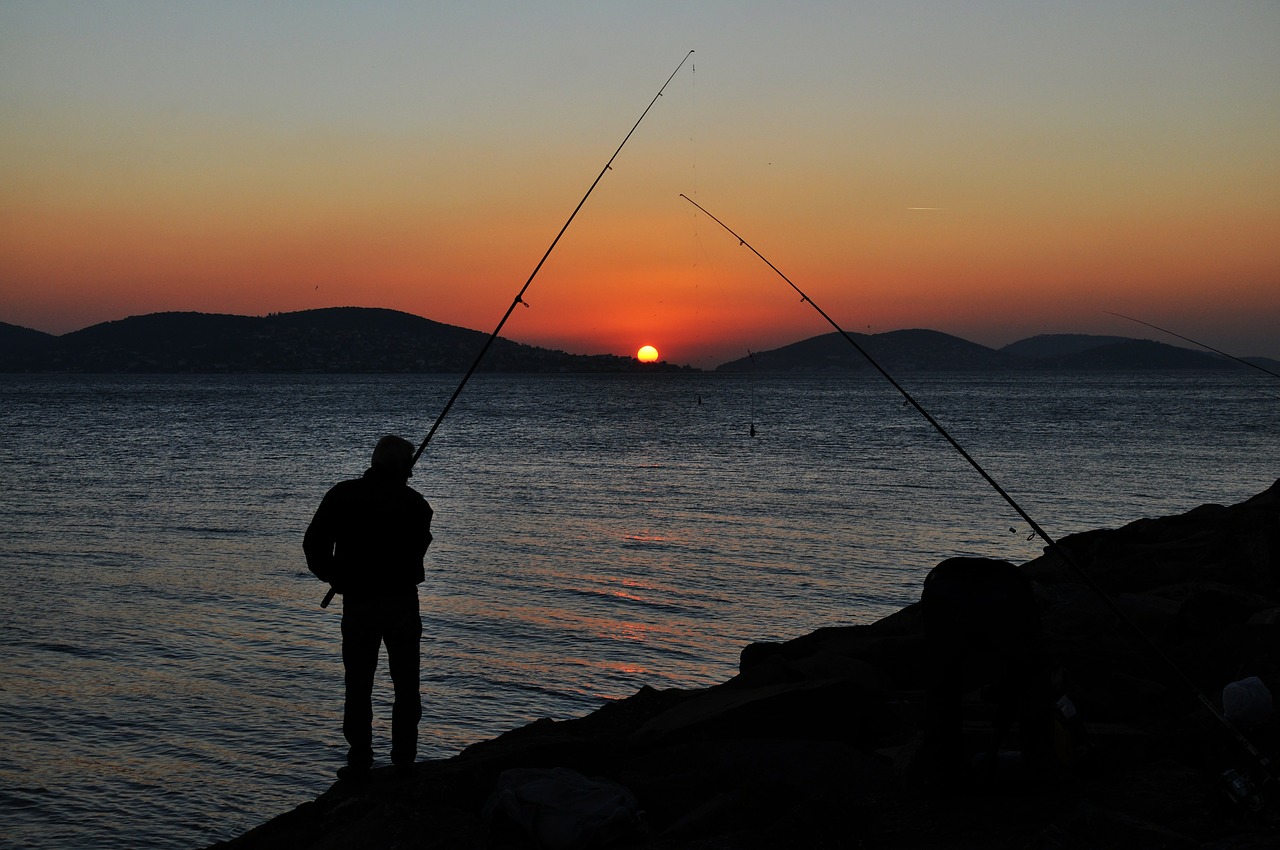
(904, 350)
(19, 339)
(337, 339)
(373, 339)
(1058, 345)
(1085, 353)
(1143, 354)
(932, 351)
(367, 318)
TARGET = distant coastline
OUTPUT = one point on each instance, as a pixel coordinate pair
(374, 340)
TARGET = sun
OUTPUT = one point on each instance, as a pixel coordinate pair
(647, 354)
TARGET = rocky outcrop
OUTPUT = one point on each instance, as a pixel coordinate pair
(816, 743)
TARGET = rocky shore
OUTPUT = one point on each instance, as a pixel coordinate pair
(817, 742)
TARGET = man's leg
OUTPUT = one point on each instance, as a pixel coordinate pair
(361, 638)
(403, 636)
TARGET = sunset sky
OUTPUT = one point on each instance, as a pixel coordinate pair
(993, 170)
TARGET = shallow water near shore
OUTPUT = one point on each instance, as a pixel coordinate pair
(168, 677)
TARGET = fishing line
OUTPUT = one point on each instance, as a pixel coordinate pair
(1193, 342)
(519, 299)
(695, 137)
(1263, 762)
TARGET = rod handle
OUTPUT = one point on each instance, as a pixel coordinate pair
(328, 597)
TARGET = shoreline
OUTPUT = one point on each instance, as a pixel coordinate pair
(816, 741)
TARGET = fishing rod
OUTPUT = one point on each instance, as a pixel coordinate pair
(1194, 342)
(519, 299)
(1263, 762)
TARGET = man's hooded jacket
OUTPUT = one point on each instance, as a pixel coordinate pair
(370, 535)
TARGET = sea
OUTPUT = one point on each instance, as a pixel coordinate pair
(168, 678)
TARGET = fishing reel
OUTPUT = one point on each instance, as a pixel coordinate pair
(1241, 791)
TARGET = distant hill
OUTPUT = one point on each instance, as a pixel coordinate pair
(905, 350)
(368, 339)
(1085, 352)
(14, 338)
(338, 339)
(1136, 354)
(932, 351)
(1058, 345)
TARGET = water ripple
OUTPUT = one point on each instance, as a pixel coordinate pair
(594, 534)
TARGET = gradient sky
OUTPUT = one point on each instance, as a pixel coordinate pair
(993, 170)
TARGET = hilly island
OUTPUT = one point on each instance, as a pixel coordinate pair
(375, 340)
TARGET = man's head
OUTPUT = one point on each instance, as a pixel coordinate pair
(394, 454)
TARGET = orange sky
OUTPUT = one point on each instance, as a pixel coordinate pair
(989, 170)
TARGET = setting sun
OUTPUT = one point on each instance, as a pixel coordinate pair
(647, 354)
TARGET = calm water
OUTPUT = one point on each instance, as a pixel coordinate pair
(167, 676)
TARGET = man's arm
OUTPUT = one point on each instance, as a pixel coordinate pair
(318, 542)
(425, 528)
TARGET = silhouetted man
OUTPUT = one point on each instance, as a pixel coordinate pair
(982, 627)
(368, 539)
